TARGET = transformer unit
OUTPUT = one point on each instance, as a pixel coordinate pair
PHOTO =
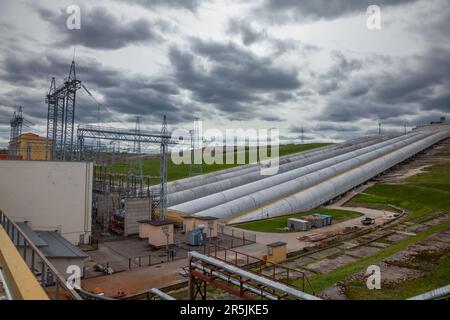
(196, 237)
(298, 224)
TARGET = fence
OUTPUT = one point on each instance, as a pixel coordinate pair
(227, 238)
(232, 238)
(46, 273)
(131, 263)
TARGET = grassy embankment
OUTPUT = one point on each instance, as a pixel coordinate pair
(423, 194)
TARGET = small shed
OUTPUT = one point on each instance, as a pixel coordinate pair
(298, 224)
(61, 253)
(160, 233)
(316, 222)
(327, 220)
(144, 229)
(276, 252)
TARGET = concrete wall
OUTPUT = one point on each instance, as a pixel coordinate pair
(61, 265)
(144, 230)
(136, 210)
(51, 195)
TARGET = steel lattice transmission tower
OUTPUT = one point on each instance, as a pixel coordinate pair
(61, 116)
(16, 130)
(136, 165)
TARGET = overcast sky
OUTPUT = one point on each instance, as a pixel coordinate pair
(235, 64)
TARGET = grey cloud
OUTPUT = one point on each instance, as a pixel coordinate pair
(247, 32)
(101, 29)
(339, 72)
(191, 5)
(249, 35)
(336, 127)
(281, 11)
(271, 117)
(234, 81)
(125, 94)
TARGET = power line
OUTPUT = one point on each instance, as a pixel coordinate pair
(104, 106)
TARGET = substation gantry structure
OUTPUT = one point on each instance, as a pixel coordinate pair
(163, 138)
(61, 117)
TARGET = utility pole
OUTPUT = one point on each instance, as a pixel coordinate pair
(303, 136)
(195, 168)
(379, 128)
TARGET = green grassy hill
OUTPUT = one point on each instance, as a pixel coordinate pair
(423, 193)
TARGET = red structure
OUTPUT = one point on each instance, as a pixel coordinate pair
(244, 276)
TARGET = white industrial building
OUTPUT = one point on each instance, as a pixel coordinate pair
(49, 195)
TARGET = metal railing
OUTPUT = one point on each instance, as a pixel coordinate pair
(291, 277)
(155, 292)
(437, 294)
(48, 274)
(205, 270)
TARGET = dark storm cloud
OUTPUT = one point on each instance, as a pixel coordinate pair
(394, 88)
(37, 70)
(418, 83)
(324, 126)
(125, 94)
(101, 29)
(343, 109)
(339, 72)
(19, 69)
(249, 34)
(413, 120)
(271, 117)
(280, 11)
(234, 79)
(246, 31)
(191, 5)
